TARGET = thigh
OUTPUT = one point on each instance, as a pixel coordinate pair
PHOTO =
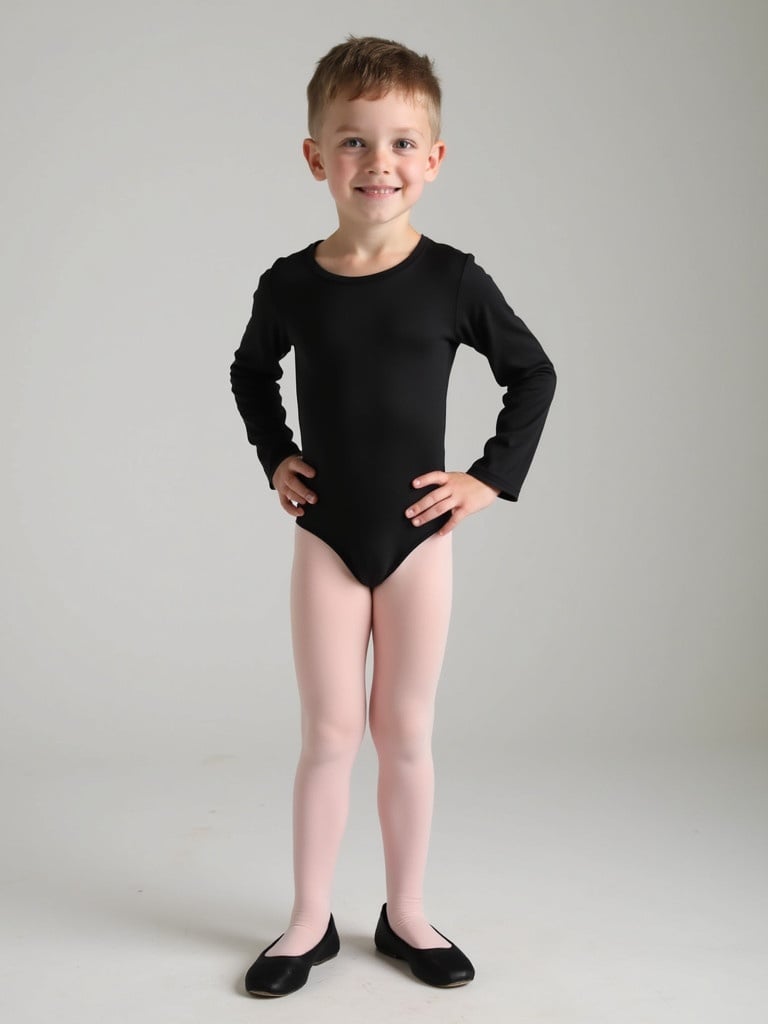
(330, 626)
(411, 616)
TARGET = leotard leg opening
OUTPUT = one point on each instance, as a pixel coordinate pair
(371, 550)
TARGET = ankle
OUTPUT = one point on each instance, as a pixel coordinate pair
(410, 924)
(299, 939)
(403, 910)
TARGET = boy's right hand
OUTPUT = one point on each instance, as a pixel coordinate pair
(290, 488)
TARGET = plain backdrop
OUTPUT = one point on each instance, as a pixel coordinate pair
(605, 164)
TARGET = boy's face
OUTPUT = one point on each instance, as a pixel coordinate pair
(376, 156)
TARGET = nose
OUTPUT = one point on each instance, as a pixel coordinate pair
(378, 160)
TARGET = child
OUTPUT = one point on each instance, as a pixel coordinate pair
(375, 313)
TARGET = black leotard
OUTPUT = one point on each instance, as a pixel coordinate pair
(373, 358)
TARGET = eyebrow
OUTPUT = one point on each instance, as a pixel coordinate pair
(354, 128)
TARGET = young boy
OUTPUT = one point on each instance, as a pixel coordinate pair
(375, 313)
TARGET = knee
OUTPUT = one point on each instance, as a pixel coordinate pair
(402, 738)
(326, 739)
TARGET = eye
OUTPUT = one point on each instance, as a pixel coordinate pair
(350, 143)
(407, 144)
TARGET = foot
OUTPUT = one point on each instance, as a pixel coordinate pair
(415, 930)
(281, 975)
(442, 967)
(297, 939)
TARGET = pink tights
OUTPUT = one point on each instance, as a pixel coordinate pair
(332, 618)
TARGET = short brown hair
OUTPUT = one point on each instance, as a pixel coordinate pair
(369, 66)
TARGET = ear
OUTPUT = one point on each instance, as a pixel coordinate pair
(312, 155)
(435, 158)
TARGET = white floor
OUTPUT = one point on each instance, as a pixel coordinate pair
(619, 888)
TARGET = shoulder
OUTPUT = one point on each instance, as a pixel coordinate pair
(291, 263)
(470, 271)
(440, 266)
(474, 283)
(446, 253)
(285, 274)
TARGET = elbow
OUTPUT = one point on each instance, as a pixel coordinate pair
(548, 377)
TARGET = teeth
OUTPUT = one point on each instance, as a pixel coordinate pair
(379, 191)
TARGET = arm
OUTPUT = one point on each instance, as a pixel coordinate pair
(519, 364)
(485, 321)
(254, 377)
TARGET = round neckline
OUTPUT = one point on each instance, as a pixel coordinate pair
(412, 255)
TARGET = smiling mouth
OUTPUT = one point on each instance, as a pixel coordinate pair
(377, 191)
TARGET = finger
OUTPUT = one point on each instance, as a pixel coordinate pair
(293, 510)
(296, 491)
(433, 512)
(293, 496)
(428, 501)
(436, 476)
(299, 465)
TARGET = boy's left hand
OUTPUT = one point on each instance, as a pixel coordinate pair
(460, 494)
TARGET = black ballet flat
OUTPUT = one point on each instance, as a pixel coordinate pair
(439, 966)
(281, 975)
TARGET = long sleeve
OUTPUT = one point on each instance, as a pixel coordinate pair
(487, 323)
(254, 377)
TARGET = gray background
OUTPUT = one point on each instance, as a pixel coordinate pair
(605, 164)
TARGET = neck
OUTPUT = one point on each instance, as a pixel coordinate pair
(371, 241)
